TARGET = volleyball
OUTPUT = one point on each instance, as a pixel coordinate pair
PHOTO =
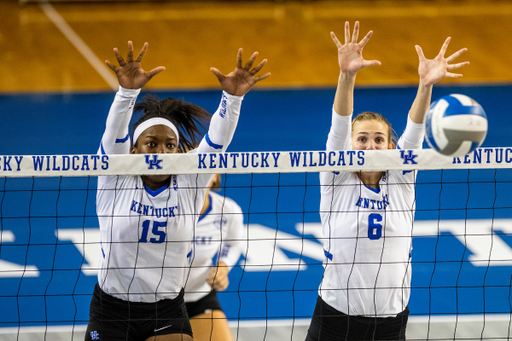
(455, 125)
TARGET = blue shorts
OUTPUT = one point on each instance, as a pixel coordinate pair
(113, 319)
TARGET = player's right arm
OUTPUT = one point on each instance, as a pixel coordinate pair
(131, 79)
(351, 61)
(116, 138)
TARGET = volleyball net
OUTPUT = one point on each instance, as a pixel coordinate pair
(462, 237)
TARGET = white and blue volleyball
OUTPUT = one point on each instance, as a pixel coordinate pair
(455, 125)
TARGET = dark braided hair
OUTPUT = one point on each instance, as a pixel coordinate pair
(190, 120)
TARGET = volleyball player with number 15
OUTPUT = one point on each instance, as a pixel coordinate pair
(147, 222)
(367, 217)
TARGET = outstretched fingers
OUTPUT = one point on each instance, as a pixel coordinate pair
(258, 67)
(455, 55)
(142, 52)
(119, 58)
(366, 38)
(347, 32)
(154, 72)
(111, 66)
(218, 74)
(129, 57)
(262, 77)
(335, 40)
(445, 46)
(457, 66)
(238, 58)
(419, 51)
(454, 67)
(452, 75)
(355, 34)
(248, 65)
(371, 63)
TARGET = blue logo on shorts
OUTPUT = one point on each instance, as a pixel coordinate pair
(95, 335)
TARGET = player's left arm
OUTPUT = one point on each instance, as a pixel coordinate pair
(231, 246)
(234, 85)
(432, 71)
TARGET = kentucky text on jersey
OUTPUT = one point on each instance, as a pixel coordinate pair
(148, 210)
(70, 163)
(490, 155)
(203, 240)
(221, 160)
(373, 204)
(8, 162)
(332, 158)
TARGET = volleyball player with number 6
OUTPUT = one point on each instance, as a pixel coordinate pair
(367, 217)
(147, 222)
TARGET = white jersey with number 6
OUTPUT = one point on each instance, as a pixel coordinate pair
(367, 236)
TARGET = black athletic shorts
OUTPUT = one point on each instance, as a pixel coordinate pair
(112, 319)
(329, 324)
(204, 305)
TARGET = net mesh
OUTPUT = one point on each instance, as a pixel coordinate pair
(461, 258)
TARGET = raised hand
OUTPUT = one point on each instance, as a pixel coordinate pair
(130, 73)
(432, 71)
(350, 54)
(242, 79)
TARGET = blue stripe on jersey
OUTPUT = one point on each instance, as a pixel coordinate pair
(375, 190)
(328, 255)
(207, 210)
(102, 150)
(124, 139)
(158, 191)
(210, 143)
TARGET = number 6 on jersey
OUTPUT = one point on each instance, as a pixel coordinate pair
(374, 228)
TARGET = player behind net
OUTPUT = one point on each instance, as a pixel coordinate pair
(147, 222)
(367, 217)
(219, 232)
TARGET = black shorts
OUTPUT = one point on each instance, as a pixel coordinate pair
(113, 319)
(329, 324)
(204, 305)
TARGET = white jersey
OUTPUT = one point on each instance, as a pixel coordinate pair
(367, 234)
(220, 232)
(146, 236)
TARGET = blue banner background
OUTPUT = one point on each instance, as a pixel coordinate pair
(444, 281)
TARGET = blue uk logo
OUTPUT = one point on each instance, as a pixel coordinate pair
(95, 335)
(408, 158)
(154, 162)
